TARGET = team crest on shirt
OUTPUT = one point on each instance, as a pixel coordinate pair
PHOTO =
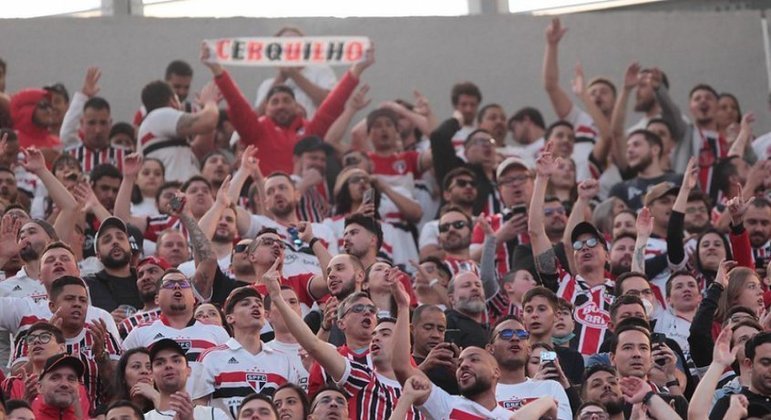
(516, 404)
(256, 380)
(400, 166)
(185, 345)
(591, 315)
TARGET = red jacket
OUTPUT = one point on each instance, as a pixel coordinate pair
(23, 105)
(44, 411)
(276, 143)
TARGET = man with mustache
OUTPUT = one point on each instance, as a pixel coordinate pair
(621, 254)
(435, 357)
(511, 349)
(459, 189)
(601, 384)
(149, 273)
(243, 365)
(58, 386)
(757, 221)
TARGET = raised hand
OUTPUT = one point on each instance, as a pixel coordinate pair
(330, 313)
(417, 388)
(132, 164)
(359, 100)
(369, 59)
(98, 331)
(422, 106)
(644, 223)
(91, 83)
(181, 402)
(398, 291)
(484, 224)
(306, 231)
(209, 93)
(737, 207)
(546, 165)
(722, 354)
(30, 385)
(747, 120)
(722, 272)
(311, 176)
(655, 77)
(34, 160)
(737, 407)
(588, 189)
(208, 60)
(555, 31)
(579, 81)
(634, 389)
(632, 75)
(222, 193)
(691, 175)
(9, 230)
(272, 278)
(85, 196)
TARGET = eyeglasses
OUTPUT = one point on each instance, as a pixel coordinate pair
(358, 179)
(42, 338)
(271, 241)
(360, 308)
(513, 180)
(594, 415)
(552, 212)
(483, 141)
(173, 284)
(239, 248)
(590, 243)
(463, 183)
(457, 225)
(509, 333)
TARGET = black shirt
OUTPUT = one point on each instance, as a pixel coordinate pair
(633, 191)
(464, 331)
(442, 377)
(759, 405)
(108, 292)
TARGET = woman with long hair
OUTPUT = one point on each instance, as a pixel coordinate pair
(291, 402)
(149, 180)
(134, 379)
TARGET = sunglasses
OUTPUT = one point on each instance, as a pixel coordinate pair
(590, 243)
(271, 241)
(173, 284)
(463, 183)
(239, 248)
(42, 338)
(358, 179)
(509, 333)
(457, 225)
(360, 308)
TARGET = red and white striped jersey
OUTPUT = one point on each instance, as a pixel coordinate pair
(503, 252)
(89, 158)
(301, 284)
(315, 205)
(82, 346)
(157, 224)
(591, 309)
(137, 320)
(712, 147)
(229, 373)
(456, 266)
(373, 396)
(441, 406)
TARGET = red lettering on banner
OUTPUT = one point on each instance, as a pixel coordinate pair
(318, 53)
(221, 47)
(293, 51)
(354, 51)
(254, 51)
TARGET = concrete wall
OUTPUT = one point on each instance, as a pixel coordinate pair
(503, 54)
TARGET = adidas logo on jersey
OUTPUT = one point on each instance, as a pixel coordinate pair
(232, 361)
(157, 336)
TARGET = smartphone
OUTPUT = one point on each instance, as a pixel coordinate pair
(548, 357)
(177, 203)
(515, 210)
(452, 335)
(369, 196)
(659, 339)
(295, 235)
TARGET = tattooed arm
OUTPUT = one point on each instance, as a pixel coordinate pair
(201, 122)
(205, 258)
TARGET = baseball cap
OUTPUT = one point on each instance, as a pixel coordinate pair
(136, 239)
(160, 262)
(586, 227)
(165, 344)
(61, 360)
(509, 162)
(111, 221)
(660, 190)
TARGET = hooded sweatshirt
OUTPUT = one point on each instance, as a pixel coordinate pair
(23, 105)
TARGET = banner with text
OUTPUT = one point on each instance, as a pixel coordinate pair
(288, 51)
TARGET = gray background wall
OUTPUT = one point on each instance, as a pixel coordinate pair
(502, 54)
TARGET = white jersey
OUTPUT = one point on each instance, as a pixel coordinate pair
(429, 235)
(160, 128)
(19, 314)
(200, 412)
(229, 373)
(195, 338)
(586, 134)
(676, 328)
(459, 140)
(515, 396)
(322, 76)
(21, 285)
(762, 146)
(298, 259)
(292, 351)
(442, 406)
(389, 249)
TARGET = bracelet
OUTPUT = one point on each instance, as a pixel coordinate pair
(672, 383)
(647, 398)
(313, 242)
(433, 282)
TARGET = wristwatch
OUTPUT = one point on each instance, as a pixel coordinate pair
(648, 397)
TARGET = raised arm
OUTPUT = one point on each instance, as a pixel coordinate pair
(65, 202)
(336, 131)
(487, 271)
(68, 132)
(675, 228)
(558, 97)
(601, 149)
(444, 157)
(743, 138)
(740, 238)
(587, 190)
(205, 258)
(203, 141)
(208, 222)
(722, 358)
(199, 123)
(644, 227)
(318, 284)
(669, 110)
(314, 91)
(401, 361)
(408, 207)
(326, 355)
(545, 259)
(618, 118)
(122, 209)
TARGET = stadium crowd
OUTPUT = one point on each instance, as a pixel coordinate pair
(221, 258)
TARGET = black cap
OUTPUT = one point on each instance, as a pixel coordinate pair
(60, 360)
(309, 144)
(136, 238)
(108, 222)
(586, 227)
(165, 344)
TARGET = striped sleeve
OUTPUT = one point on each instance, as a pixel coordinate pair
(356, 377)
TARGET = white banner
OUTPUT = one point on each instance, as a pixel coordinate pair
(288, 51)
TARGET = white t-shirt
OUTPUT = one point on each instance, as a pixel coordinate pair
(459, 139)
(291, 350)
(297, 260)
(188, 267)
(21, 285)
(147, 207)
(441, 406)
(762, 146)
(429, 235)
(515, 396)
(321, 76)
(586, 133)
(160, 125)
(200, 412)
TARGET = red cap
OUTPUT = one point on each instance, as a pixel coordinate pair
(160, 262)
